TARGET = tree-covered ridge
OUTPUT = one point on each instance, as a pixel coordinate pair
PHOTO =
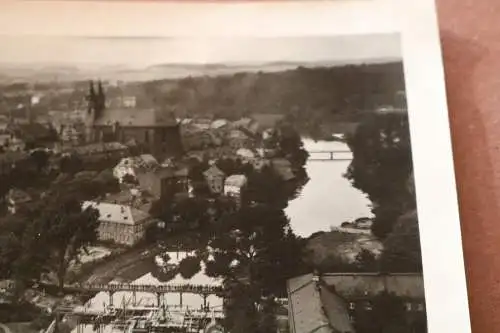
(327, 89)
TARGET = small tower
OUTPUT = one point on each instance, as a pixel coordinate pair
(101, 97)
(91, 113)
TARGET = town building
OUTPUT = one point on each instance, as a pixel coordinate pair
(72, 134)
(129, 101)
(121, 224)
(259, 163)
(237, 139)
(133, 165)
(97, 151)
(33, 135)
(165, 182)
(219, 124)
(155, 129)
(315, 308)
(234, 186)
(9, 142)
(215, 179)
(16, 199)
(246, 155)
(330, 302)
(248, 125)
(10, 161)
(267, 120)
(193, 138)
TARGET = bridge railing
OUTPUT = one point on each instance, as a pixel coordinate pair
(195, 289)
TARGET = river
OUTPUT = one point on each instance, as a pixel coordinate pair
(328, 199)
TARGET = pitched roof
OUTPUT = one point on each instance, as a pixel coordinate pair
(315, 308)
(33, 131)
(18, 195)
(13, 156)
(121, 214)
(141, 162)
(245, 152)
(213, 171)
(218, 123)
(236, 180)
(352, 285)
(243, 122)
(95, 148)
(237, 134)
(267, 120)
(128, 117)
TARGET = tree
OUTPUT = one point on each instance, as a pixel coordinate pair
(11, 232)
(291, 146)
(40, 158)
(255, 252)
(65, 229)
(402, 252)
(266, 187)
(366, 261)
(71, 164)
(189, 266)
(381, 166)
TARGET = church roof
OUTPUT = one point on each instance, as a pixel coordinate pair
(127, 117)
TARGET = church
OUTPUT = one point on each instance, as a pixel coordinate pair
(155, 130)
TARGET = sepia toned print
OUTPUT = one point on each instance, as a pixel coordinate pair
(262, 191)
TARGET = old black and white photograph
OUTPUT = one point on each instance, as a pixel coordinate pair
(208, 184)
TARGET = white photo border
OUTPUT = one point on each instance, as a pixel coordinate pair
(444, 273)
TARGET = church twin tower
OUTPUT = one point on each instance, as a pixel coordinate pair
(96, 101)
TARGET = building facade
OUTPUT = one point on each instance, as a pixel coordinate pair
(119, 223)
(234, 186)
(331, 303)
(215, 179)
(155, 129)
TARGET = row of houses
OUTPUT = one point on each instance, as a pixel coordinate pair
(243, 133)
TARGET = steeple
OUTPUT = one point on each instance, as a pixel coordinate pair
(101, 98)
(91, 98)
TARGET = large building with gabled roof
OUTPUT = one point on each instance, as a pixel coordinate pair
(155, 129)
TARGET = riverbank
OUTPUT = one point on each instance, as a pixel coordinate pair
(340, 246)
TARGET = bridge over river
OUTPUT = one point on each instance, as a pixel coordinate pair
(330, 155)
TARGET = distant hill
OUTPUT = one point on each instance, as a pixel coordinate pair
(65, 73)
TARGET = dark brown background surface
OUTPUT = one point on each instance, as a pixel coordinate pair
(470, 34)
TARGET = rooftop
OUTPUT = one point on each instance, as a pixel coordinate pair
(236, 180)
(267, 120)
(213, 171)
(96, 148)
(129, 117)
(315, 308)
(117, 213)
(370, 284)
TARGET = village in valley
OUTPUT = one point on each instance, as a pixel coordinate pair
(119, 216)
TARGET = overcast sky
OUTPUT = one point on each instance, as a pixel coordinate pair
(149, 51)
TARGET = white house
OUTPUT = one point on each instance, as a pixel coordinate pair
(245, 154)
(131, 165)
(218, 124)
(121, 224)
(233, 186)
